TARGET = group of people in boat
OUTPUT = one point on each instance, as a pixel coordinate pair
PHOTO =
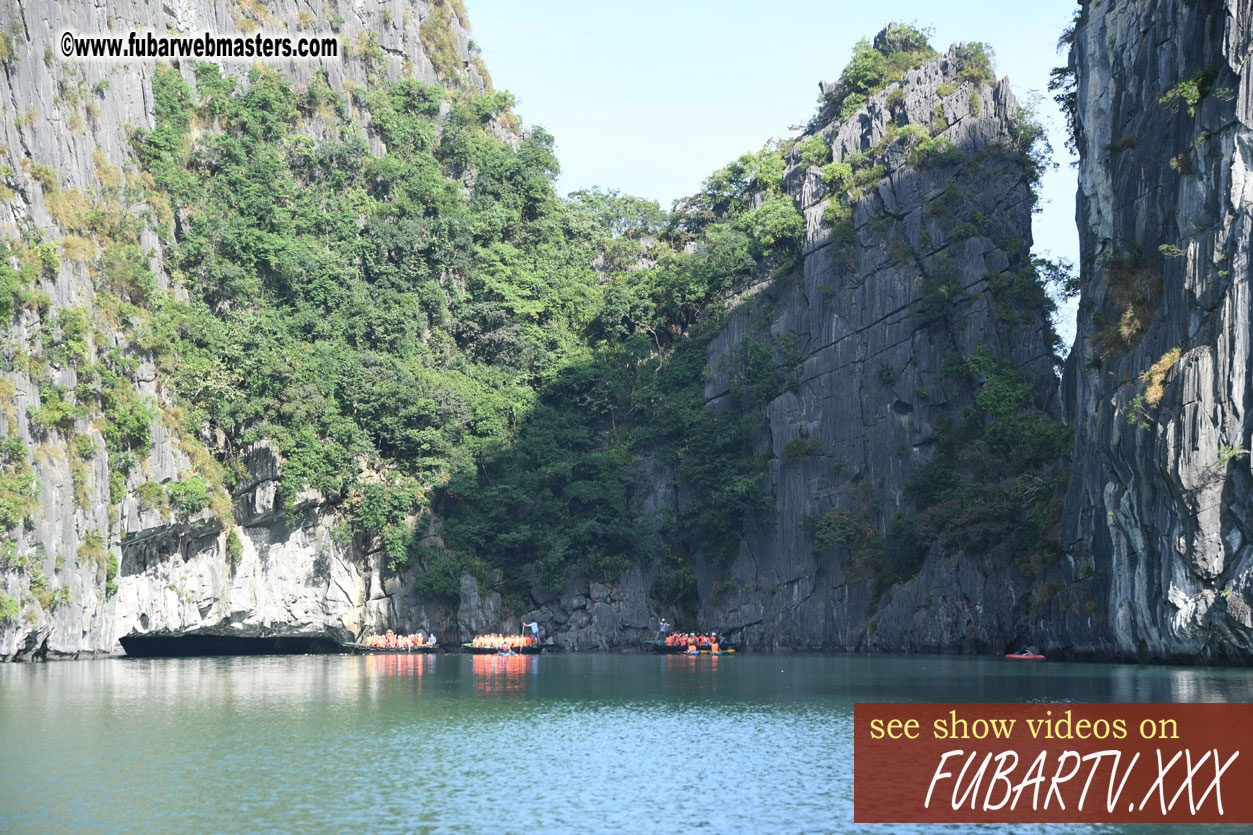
(393, 641)
(711, 641)
(503, 642)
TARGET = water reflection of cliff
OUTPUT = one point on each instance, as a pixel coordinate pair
(503, 675)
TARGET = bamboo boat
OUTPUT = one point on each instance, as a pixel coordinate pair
(529, 649)
(662, 648)
(424, 649)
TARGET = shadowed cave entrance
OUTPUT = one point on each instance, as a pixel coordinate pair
(183, 646)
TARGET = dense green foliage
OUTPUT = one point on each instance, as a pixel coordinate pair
(561, 497)
(404, 341)
(974, 63)
(189, 496)
(371, 321)
(836, 526)
(9, 609)
(813, 150)
(234, 548)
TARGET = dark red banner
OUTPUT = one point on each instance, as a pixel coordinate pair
(1053, 762)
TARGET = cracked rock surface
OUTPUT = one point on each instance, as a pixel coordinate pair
(1159, 501)
(870, 381)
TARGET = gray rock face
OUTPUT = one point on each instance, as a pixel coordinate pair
(871, 381)
(1159, 497)
(588, 616)
(291, 576)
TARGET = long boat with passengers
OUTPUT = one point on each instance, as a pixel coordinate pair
(677, 643)
(504, 645)
(424, 649)
(391, 643)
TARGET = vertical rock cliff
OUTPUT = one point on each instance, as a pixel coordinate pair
(915, 310)
(117, 517)
(1157, 386)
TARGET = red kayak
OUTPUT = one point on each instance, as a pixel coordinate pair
(1014, 656)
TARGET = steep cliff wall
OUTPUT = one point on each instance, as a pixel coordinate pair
(898, 325)
(88, 561)
(1157, 385)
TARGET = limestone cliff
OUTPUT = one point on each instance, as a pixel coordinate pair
(873, 322)
(1157, 385)
(89, 561)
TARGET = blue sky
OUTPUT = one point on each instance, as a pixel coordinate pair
(651, 97)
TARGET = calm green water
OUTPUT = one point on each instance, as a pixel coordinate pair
(586, 743)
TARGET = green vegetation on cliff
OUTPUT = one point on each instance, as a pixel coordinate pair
(435, 325)
(897, 50)
(423, 329)
(379, 322)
